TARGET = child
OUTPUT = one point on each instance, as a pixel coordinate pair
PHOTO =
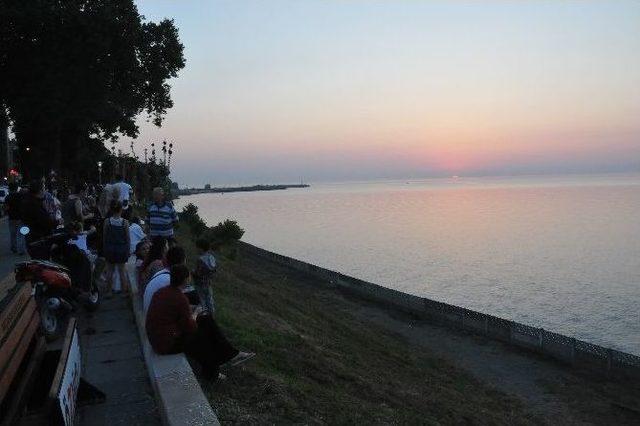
(203, 275)
(116, 243)
(141, 252)
(77, 256)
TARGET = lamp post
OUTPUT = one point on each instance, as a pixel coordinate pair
(100, 172)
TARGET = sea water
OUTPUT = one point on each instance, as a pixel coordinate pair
(562, 253)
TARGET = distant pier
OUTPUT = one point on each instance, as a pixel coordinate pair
(253, 188)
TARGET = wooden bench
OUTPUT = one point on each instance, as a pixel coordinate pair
(37, 385)
(22, 348)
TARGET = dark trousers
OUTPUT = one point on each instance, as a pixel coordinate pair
(37, 251)
(208, 347)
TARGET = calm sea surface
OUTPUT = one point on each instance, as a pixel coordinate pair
(561, 253)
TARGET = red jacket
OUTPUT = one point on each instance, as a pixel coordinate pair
(168, 320)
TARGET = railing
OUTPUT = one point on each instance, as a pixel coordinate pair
(578, 353)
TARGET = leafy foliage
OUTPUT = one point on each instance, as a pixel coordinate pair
(225, 232)
(78, 71)
(192, 219)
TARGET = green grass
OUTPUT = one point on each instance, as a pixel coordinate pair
(318, 363)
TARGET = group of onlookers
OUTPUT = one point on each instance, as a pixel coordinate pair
(178, 319)
(100, 216)
(178, 303)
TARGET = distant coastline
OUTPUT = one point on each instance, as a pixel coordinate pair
(252, 188)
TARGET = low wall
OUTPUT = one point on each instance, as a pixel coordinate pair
(178, 394)
(578, 353)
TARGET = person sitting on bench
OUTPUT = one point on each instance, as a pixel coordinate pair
(162, 278)
(172, 328)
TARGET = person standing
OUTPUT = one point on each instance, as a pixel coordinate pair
(123, 190)
(12, 206)
(203, 275)
(108, 195)
(73, 209)
(35, 216)
(116, 242)
(52, 203)
(136, 233)
(161, 216)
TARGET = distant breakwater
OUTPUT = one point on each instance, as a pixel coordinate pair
(252, 188)
(577, 353)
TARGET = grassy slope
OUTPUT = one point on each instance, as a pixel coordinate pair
(317, 363)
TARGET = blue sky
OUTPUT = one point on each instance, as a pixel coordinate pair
(277, 90)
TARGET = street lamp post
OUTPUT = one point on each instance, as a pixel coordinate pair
(100, 172)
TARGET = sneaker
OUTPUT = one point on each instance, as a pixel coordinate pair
(241, 358)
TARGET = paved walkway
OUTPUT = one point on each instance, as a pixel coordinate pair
(112, 360)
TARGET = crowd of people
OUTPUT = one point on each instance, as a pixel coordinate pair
(178, 303)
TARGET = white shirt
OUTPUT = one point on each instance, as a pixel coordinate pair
(80, 242)
(136, 234)
(161, 279)
(123, 191)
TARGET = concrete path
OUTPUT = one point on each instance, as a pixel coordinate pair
(112, 360)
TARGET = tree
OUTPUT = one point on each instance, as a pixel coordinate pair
(76, 73)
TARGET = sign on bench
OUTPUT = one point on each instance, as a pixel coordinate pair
(66, 382)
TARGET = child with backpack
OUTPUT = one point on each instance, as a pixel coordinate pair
(116, 244)
(203, 275)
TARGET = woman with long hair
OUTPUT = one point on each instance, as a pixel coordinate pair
(154, 261)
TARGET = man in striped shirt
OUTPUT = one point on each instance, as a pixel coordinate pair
(161, 216)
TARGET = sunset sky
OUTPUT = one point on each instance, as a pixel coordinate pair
(327, 90)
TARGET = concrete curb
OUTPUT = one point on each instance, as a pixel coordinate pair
(178, 394)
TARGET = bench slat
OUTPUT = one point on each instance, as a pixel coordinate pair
(15, 333)
(11, 310)
(19, 396)
(18, 355)
(12, 305)
(7, 285)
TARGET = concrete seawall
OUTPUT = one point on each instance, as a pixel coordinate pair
(577, 353)
(178, 394)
